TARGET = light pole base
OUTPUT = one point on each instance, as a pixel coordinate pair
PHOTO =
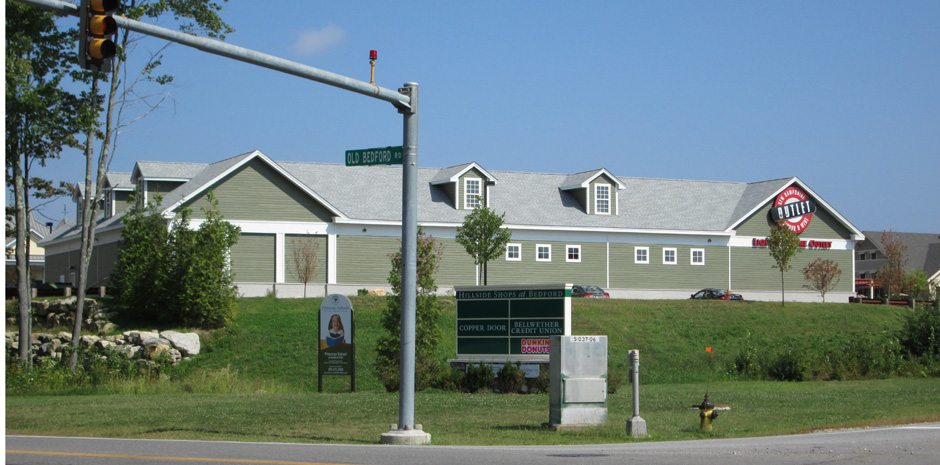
(405, 437)
(636, 427)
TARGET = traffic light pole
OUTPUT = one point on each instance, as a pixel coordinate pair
(405, 100)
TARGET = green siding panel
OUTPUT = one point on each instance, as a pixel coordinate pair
(823, 225)
(293, 256)
(122, 200)
(258, 192)
(455, 266)
(624, 273)
(754, 269)
(161, 188)
(592, 269)
(253, 258)
(364, 259)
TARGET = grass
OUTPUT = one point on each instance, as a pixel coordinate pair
(256, 380)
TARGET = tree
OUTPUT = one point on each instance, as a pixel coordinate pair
(891, 274)
(305, 259)
(138, 275)
(484, 237)
(428, 311)
(915, 284)
(822, 276)
(194, 16)
(41, 120)
(783, 245)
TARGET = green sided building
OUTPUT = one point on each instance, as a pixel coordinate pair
(636, 237)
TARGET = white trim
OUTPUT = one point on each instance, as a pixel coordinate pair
(675, 256)
(607, 258)
(518, 247)
(486, 198)
(610, 200)
(537, 247)
(472, 165)
(255, 154)
(273, 227)
(636, 259)
(568, 248)
(279, 257)
(692, 257)
(729, 269)
(587, 183)
(180, 180)
(466, 195)
(331, 258)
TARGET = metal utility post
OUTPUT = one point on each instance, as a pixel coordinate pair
(636, 425)
(409, 251)
(405, 100)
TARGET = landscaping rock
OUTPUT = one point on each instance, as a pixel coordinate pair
(186, 343)
(89, 340)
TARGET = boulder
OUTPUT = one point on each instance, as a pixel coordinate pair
(138, 337)
(40, 307)
(104, 344)
(64, 336)
(186, 343)
(89, 340)
(128, 350)
(154, 347)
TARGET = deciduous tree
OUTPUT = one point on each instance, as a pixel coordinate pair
(304, 255)
(891, 274)
(783, 245)
(822, 275)
(484, 237)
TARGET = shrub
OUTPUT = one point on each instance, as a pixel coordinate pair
(510, 378)
(920, 336)
(747, 362)
(478, 378)
(790, 364)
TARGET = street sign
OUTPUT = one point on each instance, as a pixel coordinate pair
(376, 156)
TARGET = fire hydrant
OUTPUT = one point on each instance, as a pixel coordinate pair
(706, 412)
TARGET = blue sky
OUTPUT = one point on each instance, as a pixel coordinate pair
(844, 95)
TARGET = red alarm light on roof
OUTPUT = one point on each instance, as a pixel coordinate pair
(373, 54)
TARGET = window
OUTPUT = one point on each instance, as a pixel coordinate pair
(862, 256)
(602, 199)
(543, 252)
(641, 255)
(574, 253)
(471, 192)
(513, 252)
(698, 256)
(874, 255)
(669, 256)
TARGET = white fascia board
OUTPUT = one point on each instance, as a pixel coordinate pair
(272, 227)
(273, 165)
(586, 184)
(147, 178)
(856, 233)
(489, 177)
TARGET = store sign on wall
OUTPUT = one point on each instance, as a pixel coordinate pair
(795, 208)
(511, 320)
(762, 242)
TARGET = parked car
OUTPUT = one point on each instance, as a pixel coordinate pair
(715, 294)
(591, 292)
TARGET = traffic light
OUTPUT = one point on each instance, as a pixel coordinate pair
(95, 48)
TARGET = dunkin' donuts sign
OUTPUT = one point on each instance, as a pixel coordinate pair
(794, 207)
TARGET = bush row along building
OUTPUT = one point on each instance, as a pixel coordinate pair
(636, 237)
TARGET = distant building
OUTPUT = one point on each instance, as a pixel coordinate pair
(636, 237)
(923, 253)
(38, 232)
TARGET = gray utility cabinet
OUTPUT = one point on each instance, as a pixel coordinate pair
(578, 393)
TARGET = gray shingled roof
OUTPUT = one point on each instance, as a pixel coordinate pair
(168, 170)
(923, 249)
(200, 178)
(119, 180)
(534, 199)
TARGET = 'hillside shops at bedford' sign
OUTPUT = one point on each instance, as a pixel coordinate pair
(511, 322)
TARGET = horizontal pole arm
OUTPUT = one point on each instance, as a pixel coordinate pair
(264, 60)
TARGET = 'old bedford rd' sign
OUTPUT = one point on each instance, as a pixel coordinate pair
(514, 322)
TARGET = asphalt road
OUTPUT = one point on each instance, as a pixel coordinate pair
(902, 445)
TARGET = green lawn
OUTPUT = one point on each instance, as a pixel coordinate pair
(257, 381)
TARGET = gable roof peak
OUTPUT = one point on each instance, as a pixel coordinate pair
(453, 173)
(583, 179)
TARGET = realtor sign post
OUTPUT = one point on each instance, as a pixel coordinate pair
(511, 323)
(337, 353)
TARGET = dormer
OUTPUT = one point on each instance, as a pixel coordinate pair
(466, 185)
(595, 190)
(118, 190)
(160, 178)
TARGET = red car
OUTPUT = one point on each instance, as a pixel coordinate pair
(591, 292)
(715, 294)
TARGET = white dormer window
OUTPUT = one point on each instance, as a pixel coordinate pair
(471, 192)
(602, 199)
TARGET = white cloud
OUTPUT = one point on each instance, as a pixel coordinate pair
(314, 41)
